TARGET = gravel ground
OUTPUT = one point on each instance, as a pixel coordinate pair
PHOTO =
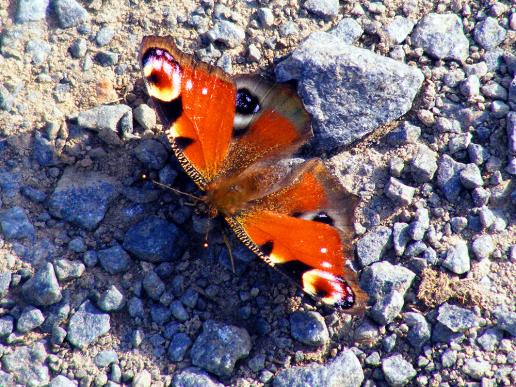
(103, 280)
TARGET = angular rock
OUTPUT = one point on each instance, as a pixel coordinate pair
(26, 364)
(476, 369)
(398, 192)
(151, 153)
(219, 347)
(471, 177)
(488, 33)
(457, 258)
(385, 310)
(419, 329)
(155, 240)
(490, 339)
(406, 133)
(506, 320)
(456, 319)
(114, 260)
(323, 8)
(441, 36)
(61, 381)
(372, 246)
(424, 164)
(153, 285)
(227, 33)
(145, 116)
(483, 247)
(67, 270)
(397, 371)
(344, 371)
(398, 29)
(349, 91)
(6, 326)
(31, 10)
(111, 300)
(448, 177)
(511, 131)
(105, 358)
(15, 225)
(107, 120)
(30, 319)
(309, 328)
(69, 13)
(86, 325)
(42, 289)
(381, 278)
(400, 237)
(347, 30)
(5, 281)
(194, 377)
(82, 198)
(179, 344)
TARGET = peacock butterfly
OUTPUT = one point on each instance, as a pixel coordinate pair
(232, 136)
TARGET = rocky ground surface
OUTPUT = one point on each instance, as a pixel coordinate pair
(103, 280)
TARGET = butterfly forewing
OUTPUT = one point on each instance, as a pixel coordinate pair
(196, 104)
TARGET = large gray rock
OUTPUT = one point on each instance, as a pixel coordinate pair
(349, 91)
(441, 36)
(344, 371)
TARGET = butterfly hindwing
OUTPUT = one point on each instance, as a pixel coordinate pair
(304, 230)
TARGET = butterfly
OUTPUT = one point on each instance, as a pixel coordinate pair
(233, 137)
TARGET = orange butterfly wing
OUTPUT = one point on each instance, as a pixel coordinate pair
(195, 102)
(304, 230)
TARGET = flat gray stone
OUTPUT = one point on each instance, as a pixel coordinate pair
(372, 246)
(397, 371)
(69, 13)
(349, 91)
(82, 198)
(441, 36)
(31, 10)
(25, 363)
(488, 33)
(86, 325)
(344, 371)
(457, 319)
(106, 120)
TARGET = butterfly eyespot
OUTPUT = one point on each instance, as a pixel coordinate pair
(323, 217)
(246, 102)
(162, 73)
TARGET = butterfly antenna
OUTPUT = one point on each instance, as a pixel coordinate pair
(230, 252)
(196, 198)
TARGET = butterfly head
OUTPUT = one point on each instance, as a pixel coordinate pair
(162, 73)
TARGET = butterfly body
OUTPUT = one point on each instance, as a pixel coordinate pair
(234, 137)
